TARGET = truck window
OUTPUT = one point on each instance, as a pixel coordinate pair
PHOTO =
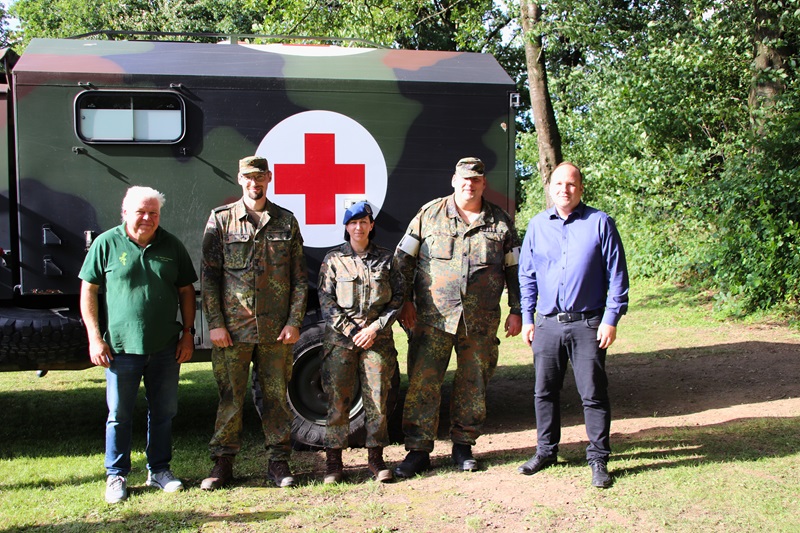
(129, 117)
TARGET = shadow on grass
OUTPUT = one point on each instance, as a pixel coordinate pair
(659, 384)
(49, 423)
(43, 423)
(161, 521)
(742, 440)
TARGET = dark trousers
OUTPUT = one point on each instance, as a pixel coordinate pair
(554, 344)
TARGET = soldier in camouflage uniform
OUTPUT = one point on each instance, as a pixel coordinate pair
(255, 289)
(360, 294)
(457, 255)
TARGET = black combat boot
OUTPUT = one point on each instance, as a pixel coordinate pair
(463, 459)
(416, 462)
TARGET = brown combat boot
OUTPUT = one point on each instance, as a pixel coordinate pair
(221, 475)
(376, 465)
(278, 471)
(333, 466)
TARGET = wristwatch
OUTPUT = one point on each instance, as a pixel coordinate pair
(189, 330)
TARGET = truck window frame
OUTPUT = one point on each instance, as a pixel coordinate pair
(136, 121)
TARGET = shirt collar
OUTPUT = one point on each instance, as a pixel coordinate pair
(124, 232)
(577, 213)
(485, 216)
(240, 210)
(347, 249)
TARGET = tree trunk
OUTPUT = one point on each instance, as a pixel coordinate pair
(766, 86)
(544, 119)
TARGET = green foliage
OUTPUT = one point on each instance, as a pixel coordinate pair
(756, 257)
(652, 102)
(652, 97)
(66, 18)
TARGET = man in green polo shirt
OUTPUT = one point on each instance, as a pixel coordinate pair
(146, 274)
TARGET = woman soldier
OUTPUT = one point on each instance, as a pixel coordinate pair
(360, 293)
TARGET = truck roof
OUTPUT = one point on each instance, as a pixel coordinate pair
(66, 58)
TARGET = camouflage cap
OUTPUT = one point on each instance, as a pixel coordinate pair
(356, 211)
(469, 167)
(253, 163)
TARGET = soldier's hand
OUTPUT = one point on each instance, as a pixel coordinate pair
(100, 353)
(364, 338)
(513, 325)
(527, 333)
(220, 337)
(289, 335)
(408, 315)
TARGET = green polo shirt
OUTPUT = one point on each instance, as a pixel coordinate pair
(141, 288)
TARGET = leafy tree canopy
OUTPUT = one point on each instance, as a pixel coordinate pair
(684, 114)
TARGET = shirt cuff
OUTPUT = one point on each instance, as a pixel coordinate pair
(527, 317)
(611, 318)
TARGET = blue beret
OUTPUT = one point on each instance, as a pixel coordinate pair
(357, 210)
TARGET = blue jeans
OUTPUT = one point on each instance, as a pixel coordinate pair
(160, 371)
(554, 344)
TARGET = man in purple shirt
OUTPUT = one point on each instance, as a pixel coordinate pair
(572, 272)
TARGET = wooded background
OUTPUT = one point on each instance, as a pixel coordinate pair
(683, 114)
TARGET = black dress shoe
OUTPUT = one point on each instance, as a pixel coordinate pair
(415, 463)
(462, 457)
(600, 476)
(536, 463)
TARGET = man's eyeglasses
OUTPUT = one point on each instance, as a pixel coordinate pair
(257, 177)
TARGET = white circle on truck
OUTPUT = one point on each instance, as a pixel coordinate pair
(322, 163)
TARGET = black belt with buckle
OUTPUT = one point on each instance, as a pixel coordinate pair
(564, 318)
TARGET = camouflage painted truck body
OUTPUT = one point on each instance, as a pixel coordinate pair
(86, 119)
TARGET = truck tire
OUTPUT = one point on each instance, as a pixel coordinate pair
(42, 338)
(309, 403)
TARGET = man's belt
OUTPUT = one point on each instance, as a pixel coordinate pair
(564, 318)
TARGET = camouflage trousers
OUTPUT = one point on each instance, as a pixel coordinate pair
(273, 367)
(428, 357)
(342, 370)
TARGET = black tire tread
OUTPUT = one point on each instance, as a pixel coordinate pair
(35, 338)
(307, 434)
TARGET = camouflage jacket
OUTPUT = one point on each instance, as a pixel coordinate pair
(357, 292)
(254, 276)
(452, 269)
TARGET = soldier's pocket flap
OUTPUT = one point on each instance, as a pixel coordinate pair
(236, 237)
(279, 236)
(345, 291)
(381, 274)
(441, 246)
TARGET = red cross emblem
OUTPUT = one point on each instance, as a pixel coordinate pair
(322, 162)
(320, 179)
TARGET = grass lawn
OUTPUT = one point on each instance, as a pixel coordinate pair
(743, 475)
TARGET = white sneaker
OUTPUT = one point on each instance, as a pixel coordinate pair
(116, 489)
(165, 481)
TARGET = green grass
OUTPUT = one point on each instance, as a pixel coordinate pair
(738, 476)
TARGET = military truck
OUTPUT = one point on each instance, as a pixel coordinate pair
(82, 120)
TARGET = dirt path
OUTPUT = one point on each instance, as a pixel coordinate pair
(754, 375)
